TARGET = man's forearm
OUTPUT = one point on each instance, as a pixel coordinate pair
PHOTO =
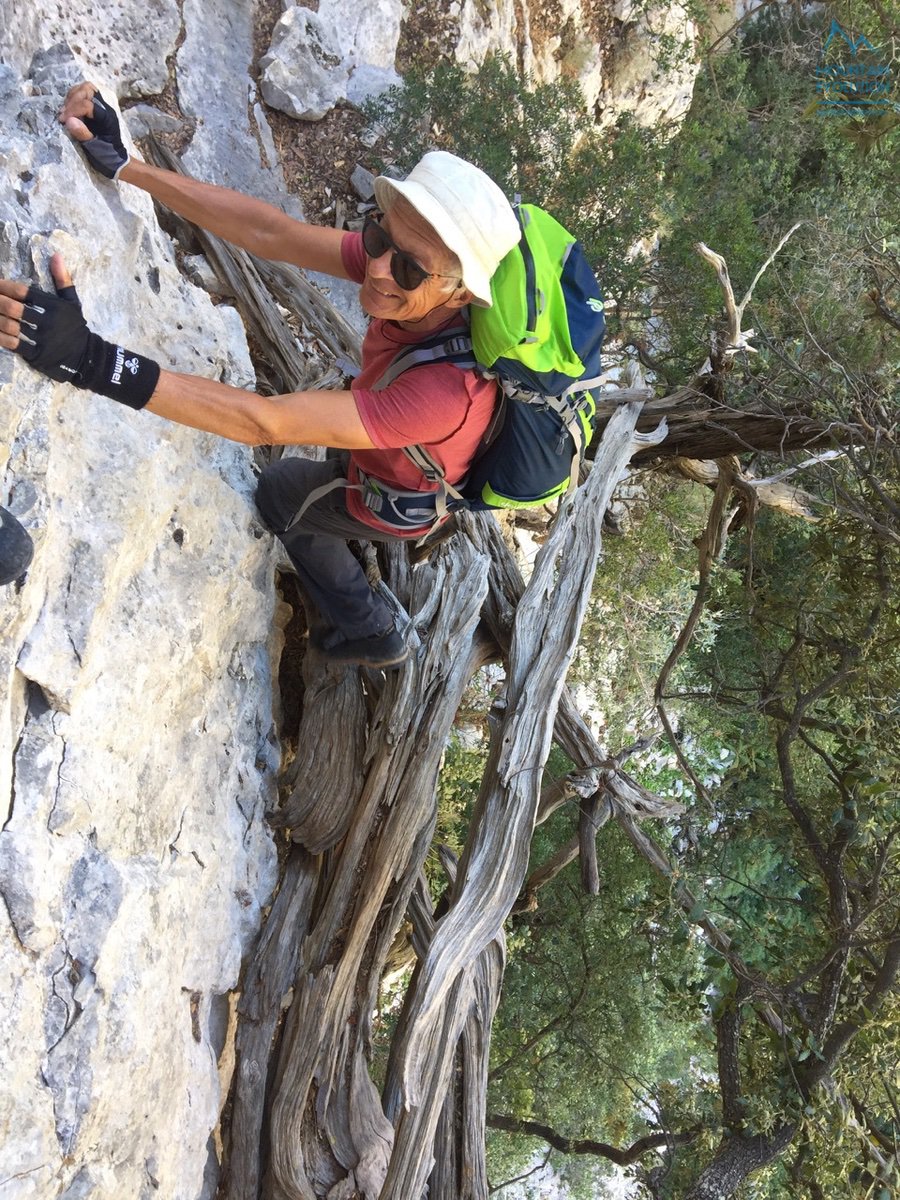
(211, 406)
(302, 418)
(48, 329)
(244, 221)
(261, 228)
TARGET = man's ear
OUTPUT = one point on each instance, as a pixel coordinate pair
(460, 298)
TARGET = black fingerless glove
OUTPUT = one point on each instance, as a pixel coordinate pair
(105, 151)
(54, 338)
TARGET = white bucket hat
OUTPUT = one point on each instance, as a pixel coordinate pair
(465, 208)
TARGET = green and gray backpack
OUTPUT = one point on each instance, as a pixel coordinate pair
(541, 341)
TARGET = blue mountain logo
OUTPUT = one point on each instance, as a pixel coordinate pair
(855, 44)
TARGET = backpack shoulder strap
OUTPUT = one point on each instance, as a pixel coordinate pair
(432, 471)
(450, 345)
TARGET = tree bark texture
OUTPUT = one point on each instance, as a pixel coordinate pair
(545, 631)
(361, 814)
(736, 1158)
(699, 426)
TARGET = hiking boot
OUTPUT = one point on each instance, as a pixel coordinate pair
(380, 651)
(16, 548)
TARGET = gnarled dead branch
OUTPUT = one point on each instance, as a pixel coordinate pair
(493, 864)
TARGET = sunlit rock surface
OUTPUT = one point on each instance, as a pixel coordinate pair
(304, 73)
(137, 750)
(126, 44)
(342, 51)
(653, 66)
(645, 64)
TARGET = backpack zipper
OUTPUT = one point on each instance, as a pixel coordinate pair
(530, 286)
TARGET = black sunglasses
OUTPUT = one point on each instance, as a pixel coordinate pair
(406, 272)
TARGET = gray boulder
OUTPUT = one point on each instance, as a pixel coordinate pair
(145, 118)
(342, 52)
(304, 73)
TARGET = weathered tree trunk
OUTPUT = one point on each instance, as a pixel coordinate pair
(326, 1123)
(267, 988)
(370, 822)
(736, 1158)
(702, 427)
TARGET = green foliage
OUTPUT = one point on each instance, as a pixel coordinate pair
(460, 779)
(749, 162)
(582, 1038)
(813, 630)
(643, 591)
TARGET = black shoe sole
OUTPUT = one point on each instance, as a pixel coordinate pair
(347, 658)
(371, 662)
(16, 548)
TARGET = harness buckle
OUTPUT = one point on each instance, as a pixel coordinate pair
(403, 510)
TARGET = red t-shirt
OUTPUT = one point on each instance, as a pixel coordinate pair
(438, 406)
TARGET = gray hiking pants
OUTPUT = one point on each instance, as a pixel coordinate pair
(330, 575)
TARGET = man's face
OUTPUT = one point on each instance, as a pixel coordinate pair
(381, 295)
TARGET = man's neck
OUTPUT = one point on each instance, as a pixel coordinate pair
(433, 320)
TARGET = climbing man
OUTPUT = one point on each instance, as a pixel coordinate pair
(420, 261)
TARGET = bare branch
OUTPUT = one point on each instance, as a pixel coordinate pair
(527, 1175)
(736, 338)
(772, 492)
(653, 1141)
(595, 812)
(759, 274)
(547, 871)
(816, 460)
(711, 544)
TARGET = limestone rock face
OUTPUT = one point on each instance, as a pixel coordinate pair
(232, 144)
(125, 43)
(571, 51)
(342, 51)
(137, 751)
(491, 29)
(563, 42)
(638, 82)
(370, 31)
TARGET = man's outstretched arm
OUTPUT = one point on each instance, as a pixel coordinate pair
(49, 332)
(252, 224)
(300, 418)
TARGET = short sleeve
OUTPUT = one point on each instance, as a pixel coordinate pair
(424, 405)
(353, 257)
